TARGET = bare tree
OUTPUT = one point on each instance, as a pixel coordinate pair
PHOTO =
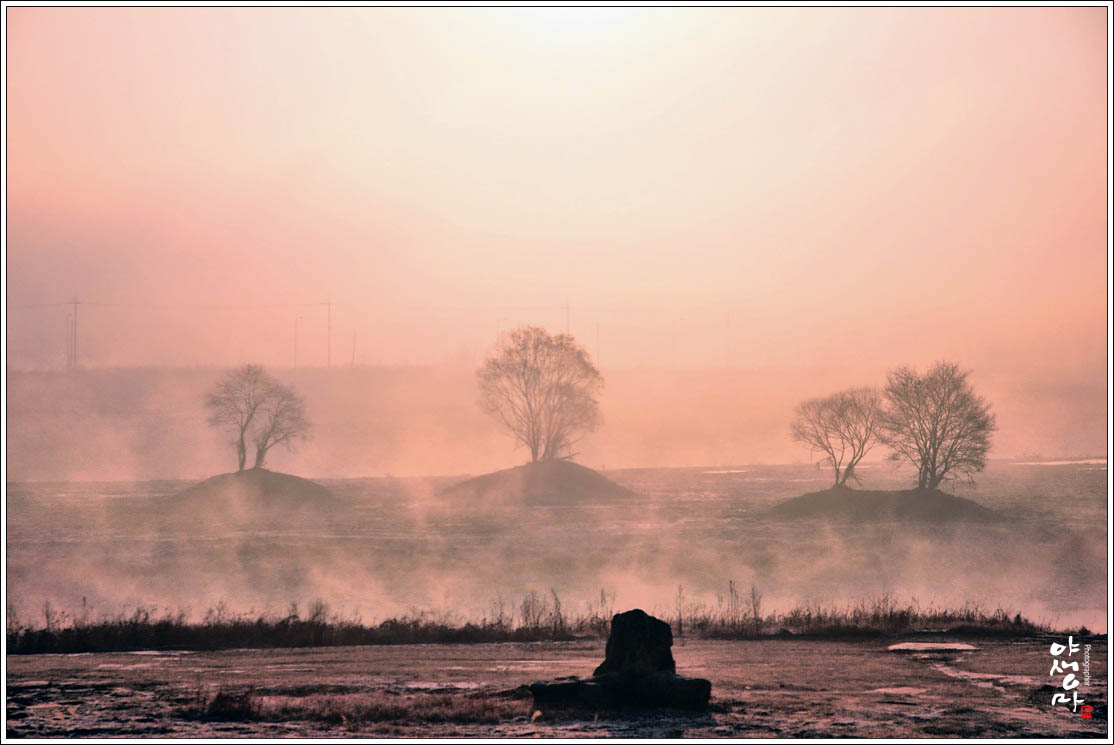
(253, 406)
(937, 423)
(843, 427)
(234, 404)
(283, 421)
(542, 389)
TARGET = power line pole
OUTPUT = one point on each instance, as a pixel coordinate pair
(296, 320)
(69, 341)
(73, 337)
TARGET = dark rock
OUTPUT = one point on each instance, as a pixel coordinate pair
(638, 643)
(670, 689)
(621, 690)
(638, 671)
(562, 694)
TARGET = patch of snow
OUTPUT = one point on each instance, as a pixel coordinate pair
(931, 647)
(899, 691)
(1081, 462)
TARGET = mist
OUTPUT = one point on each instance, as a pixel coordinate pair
(745, 188)
(392, 547)
(143, 424)
(731, 209)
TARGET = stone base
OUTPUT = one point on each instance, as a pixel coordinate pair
(622, 690)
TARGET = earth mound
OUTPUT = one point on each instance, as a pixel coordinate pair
(256, 497)
(842, 503)
(543, 482)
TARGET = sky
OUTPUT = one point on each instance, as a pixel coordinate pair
(759, 188)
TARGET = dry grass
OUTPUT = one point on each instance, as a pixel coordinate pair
(737, 615)
(879, 616)
(354, 710)
(226, 705)
(362, 708)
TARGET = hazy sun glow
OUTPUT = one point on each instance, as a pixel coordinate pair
(573, 25)
(770, 189)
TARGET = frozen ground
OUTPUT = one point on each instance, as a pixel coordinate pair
(784, 688)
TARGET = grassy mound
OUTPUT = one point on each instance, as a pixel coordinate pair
(912, 505)
(258, 487)
(255, 497)
(544, 482)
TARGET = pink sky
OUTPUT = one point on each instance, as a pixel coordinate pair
(761, 188)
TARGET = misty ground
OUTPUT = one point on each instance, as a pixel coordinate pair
(78, 552)
(771, 688)
(386, 547)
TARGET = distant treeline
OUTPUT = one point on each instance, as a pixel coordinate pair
(539, 619)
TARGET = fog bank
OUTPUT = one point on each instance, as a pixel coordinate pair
(124, 424)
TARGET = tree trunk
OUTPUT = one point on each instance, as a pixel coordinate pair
(241, 454)
(260, 454)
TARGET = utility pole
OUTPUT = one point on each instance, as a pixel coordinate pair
(296, 320)
(73, 337)
(69, 341)
(329, 353)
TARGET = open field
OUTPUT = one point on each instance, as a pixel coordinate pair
(689, 546)
(387, 548)
(760, 688)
